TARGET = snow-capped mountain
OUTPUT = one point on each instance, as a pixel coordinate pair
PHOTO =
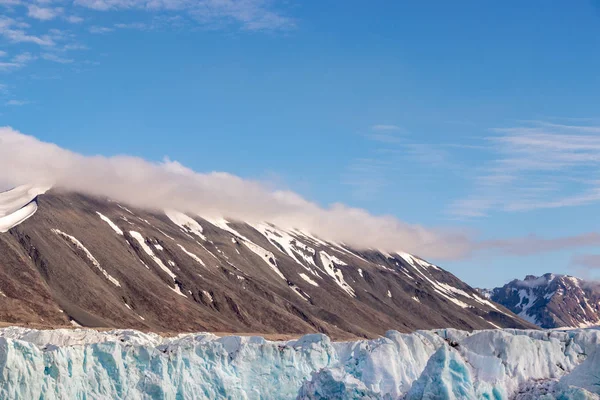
(67, 258)
(552, 301)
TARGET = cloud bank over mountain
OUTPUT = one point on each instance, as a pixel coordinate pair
(170, 185)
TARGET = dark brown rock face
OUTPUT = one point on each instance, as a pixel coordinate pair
(93, 262)
(552, 301)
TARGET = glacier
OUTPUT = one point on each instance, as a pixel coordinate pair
(434, 364)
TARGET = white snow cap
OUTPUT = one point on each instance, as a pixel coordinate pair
(18, 204)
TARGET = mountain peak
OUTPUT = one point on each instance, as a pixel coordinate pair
(93, 262)
(552, 300)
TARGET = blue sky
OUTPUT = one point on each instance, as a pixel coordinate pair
(473, 116)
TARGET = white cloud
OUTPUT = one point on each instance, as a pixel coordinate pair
(43, 13)
(23, 58)
(74, 19)
(10, 2)
(56, 58)
(535, 166)
(104, 5)
(250, 14)
(7, 66)
(17, 103)
(100, 29)
(534, 244)
(171, 185)
(13, 31)
(587, 261)
(17, 62)
(132, 25)
(158, 186)
(384, 127)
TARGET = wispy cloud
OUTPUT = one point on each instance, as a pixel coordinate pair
(385, 127)
(385, 133)
(24, 58)
(384, 137)
(43, 13)
(56, 58)
(390, 148)
(133, 25)
(60, 27)
(17, 62)
(367, 177)
(250, 14)
(74, 19)
(24, 159)
(16, 103)
(14, 31)
(534, 166)
(6, 66)
(587, 266)
(587, 261)
(534, 244)
(100, 29)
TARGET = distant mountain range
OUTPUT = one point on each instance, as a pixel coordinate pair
(551, 301)
(72, 259)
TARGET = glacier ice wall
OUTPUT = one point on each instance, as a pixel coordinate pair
(442, 364)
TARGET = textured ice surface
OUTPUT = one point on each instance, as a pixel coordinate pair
(442, 364)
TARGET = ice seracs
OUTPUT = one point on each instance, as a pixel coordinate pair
(435, 364)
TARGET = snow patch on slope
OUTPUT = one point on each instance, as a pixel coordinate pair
(114, 226)
(307, 279)
(266, 255)
(89, 255)
(18, 204)
(186, 223)
(148, 250)
(288, 244)
(526, 301)
(329, 263)
(192, 255)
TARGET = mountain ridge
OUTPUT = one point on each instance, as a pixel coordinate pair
(89, 261)
(551, 300)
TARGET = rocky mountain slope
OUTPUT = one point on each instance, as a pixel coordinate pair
(552, 301)
(88, 261)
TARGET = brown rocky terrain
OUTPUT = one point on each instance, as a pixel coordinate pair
(88, 261)
(552, 301)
